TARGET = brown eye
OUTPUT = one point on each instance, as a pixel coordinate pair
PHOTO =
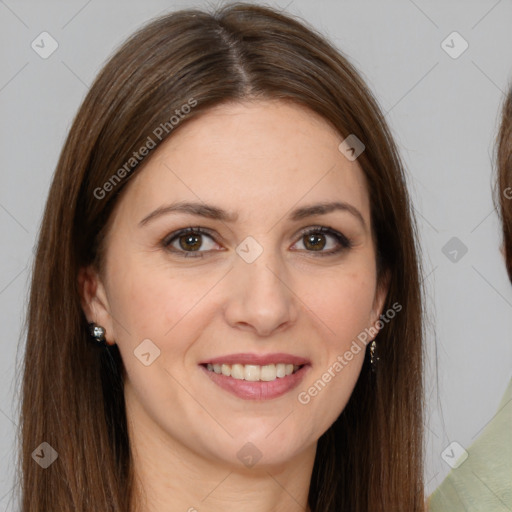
(314, 241)
(190, 242)
(186, 242)
(317, 239)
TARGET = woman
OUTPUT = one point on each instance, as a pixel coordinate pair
(229, 224)
(484, 480)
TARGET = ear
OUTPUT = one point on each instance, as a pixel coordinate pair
(381, 292)
(93, 298)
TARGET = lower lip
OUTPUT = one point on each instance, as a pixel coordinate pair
(259, 390)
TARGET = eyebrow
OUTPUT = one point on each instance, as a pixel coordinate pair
(215, 213)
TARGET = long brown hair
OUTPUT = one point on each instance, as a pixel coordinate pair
(371, 458)
(504, 179)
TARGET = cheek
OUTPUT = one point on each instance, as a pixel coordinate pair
(153, 303)
(152, 300)
(169, 308)
(343, 307)
(343, 303)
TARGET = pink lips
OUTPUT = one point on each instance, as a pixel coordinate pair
(258, 359)
(259, 390)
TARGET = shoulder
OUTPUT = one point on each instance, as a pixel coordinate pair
(484, 480)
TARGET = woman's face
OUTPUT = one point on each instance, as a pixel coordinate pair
(255, 282)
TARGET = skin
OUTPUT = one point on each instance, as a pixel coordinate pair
(261, 159)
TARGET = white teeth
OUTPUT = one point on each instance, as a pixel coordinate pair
(237, 371)
(268, 372)
(253, 372)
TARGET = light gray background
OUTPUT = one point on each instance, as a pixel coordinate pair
(443, 113)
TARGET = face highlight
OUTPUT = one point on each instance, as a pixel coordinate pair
(246, 237)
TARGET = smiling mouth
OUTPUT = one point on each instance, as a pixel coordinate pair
(254, 373)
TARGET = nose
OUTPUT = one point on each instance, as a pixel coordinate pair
(260, 295)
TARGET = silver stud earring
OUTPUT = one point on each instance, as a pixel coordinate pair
(373, 355)
(97, 333)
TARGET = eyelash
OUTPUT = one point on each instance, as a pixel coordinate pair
(343, 241)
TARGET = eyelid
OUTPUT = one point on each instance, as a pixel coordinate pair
(323, 229)
(344, 242)
(166, 242)
(184, 231)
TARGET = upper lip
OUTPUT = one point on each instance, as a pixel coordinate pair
(257, 359)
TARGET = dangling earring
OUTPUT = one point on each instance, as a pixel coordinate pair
(97, 334)
(373, 355)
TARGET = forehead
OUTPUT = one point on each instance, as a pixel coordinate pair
(258, 157)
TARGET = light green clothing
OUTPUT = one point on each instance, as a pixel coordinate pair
(483, 482)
